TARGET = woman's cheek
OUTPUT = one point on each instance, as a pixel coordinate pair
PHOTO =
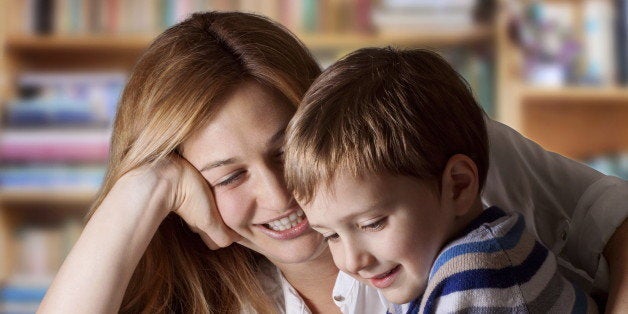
(234, 208)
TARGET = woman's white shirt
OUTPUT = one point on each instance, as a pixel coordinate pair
(572, 209)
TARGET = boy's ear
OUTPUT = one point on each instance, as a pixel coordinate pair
(460, 183)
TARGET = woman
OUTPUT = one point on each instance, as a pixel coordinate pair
(203, 116)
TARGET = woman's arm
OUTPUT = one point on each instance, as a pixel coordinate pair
(94, 276)
(616, 253)
(573, 209)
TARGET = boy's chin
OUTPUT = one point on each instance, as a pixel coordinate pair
(403, 296)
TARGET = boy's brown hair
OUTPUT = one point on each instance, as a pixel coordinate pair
(384, 110)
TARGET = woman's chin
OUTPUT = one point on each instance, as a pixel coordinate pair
(304, 248)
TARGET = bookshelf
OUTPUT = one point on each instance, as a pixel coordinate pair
(577, 119)
(24, 52)
(33, 43)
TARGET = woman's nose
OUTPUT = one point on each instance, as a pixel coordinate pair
(272, 191)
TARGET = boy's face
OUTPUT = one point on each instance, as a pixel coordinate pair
(383, 230)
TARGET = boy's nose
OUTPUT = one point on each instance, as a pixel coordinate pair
(356, 258)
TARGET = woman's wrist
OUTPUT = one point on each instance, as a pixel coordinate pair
(94, 276)
(149, 190)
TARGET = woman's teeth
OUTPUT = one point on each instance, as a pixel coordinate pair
(286, 222)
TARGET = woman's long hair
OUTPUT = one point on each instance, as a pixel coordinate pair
(173, 89)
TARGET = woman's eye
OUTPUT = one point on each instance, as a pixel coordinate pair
(231, 179)
(376, 226)
(279, 155)
(332, 237)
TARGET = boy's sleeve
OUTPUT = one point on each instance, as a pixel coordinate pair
(571, 208)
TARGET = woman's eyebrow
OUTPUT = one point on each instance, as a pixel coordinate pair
(272, 141)
(218, 163)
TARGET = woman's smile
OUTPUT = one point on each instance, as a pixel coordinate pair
(289, 226)
(243, 142)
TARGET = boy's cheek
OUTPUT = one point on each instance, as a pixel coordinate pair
(338, 257)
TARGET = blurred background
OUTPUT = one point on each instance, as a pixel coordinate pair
(556, 71)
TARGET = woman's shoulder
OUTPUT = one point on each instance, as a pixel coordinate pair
(270, 277)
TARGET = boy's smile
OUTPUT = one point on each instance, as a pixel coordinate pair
(383, 230)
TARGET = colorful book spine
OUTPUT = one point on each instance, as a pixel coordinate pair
(621, 35)
(54, 146)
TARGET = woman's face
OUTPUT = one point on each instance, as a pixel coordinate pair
(239, 152)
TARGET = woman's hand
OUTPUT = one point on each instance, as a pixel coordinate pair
(616, 253)
(94, 276)
(193, 200)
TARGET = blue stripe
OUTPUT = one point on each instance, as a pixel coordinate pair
(580, 304)
(506, 242)
(413, 308)
(487, 216)
(490, 278)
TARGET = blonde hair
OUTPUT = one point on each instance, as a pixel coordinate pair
(382, 110)
(172, 90)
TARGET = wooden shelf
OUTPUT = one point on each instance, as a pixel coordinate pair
(354, 41)
(78, 42)
(580, 123)
(313, 41)
(35, 196)
(618, 94)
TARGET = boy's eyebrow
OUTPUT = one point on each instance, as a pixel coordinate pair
(277, 136)
(273, 139)
(367, 210)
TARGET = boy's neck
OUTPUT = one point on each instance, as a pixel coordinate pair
(463, 221)
(314, 287)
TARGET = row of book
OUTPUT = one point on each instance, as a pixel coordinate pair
(40, 251)
(56, 132)
(403, 16)
(574, 43)
(152, 16)
(51, 177)
(611, 164)
(477, 68)
(53, 160)
(65, 99)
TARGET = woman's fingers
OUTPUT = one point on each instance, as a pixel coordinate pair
(197, 207)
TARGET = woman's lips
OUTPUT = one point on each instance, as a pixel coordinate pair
(301, 228)
(385, 280)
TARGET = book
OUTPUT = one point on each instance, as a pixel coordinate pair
(65, 98)
(621, 42)
(598, 51)
(46, 178)
(402, 16)
(54, 145)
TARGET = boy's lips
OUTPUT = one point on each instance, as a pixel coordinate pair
(386, 279)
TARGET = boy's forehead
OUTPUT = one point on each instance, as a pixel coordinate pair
(347, 196)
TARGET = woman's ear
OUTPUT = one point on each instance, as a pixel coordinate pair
(460, 184)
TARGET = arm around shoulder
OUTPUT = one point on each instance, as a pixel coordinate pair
(616, 253)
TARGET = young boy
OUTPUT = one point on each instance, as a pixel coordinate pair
(387, 156)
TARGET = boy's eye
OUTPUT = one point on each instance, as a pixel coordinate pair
(231, 179)
(332, 237)
(375, 226)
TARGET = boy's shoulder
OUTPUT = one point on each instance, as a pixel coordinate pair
(491, 233)
(496, 264)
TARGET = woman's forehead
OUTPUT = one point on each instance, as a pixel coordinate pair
(250, 117)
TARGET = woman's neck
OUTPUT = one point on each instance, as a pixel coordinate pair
(314, 280)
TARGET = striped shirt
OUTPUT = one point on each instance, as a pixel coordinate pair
(498, 267)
